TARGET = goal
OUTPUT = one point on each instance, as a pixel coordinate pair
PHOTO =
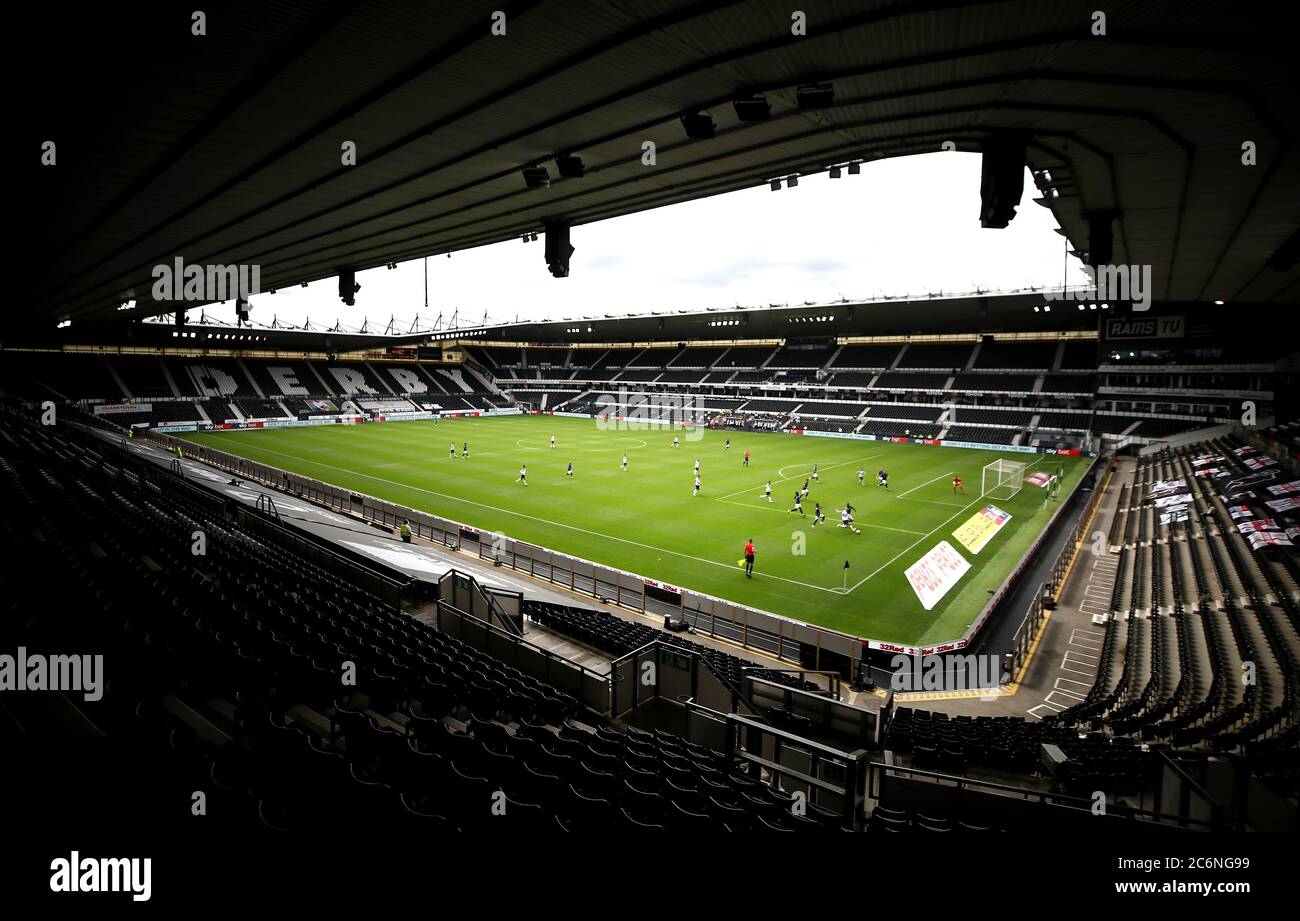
(1002, 479)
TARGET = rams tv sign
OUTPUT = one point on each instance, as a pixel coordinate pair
(1144, 328)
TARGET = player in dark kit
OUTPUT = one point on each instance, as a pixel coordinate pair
(882, 478)
(817, 514)
(569, 472)
(798, 504)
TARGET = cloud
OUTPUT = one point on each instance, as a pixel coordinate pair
(821, 266)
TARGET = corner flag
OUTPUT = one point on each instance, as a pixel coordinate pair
(846, 575)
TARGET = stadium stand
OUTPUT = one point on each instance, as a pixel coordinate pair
(1039, 356)
(696, 357)
(1078, 355)
(936, 355)
(982, 434)
(898, 380)
(872, 357)
(993, 383)
(262, 409)
(434, 727)
(903, 411)
(1070, 383)
(284, 652)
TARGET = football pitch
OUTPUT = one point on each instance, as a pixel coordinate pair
(645, 520)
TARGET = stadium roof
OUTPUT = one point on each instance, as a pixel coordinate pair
(226, 148)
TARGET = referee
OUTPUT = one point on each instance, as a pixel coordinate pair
(749, 558)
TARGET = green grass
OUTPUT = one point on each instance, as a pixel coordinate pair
(647, 522)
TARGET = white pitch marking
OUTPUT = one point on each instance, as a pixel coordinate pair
(931, 501)
(759, 487)
(766, 507)
(926, 483)
(906, 549)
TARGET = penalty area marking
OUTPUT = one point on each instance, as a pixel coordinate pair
(906, 549)
(927, 483)
(759, 487)
(772, 508)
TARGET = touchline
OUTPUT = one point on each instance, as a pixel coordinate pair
(37, 672)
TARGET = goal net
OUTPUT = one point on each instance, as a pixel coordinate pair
(1002, 479)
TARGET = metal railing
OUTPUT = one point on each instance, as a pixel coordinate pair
(591, 687)
(880, 772)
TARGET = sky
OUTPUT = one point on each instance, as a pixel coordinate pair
(906, 225)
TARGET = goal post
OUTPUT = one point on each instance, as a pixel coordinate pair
(1002, 479)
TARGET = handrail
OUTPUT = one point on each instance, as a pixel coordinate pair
(1046, 797)
(494, 607)
(833, 678)
(522, 641)
(681, 650)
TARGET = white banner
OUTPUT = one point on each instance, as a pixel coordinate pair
(1165, 487)
(933, 574)
(403, 417)
(1021, 449)
(853, 435)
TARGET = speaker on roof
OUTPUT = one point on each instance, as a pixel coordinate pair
(752, 109)
(348, 286)
(558, 249)
(1002, 179)
(1101, 238)
(570, 166)
(699, 125)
